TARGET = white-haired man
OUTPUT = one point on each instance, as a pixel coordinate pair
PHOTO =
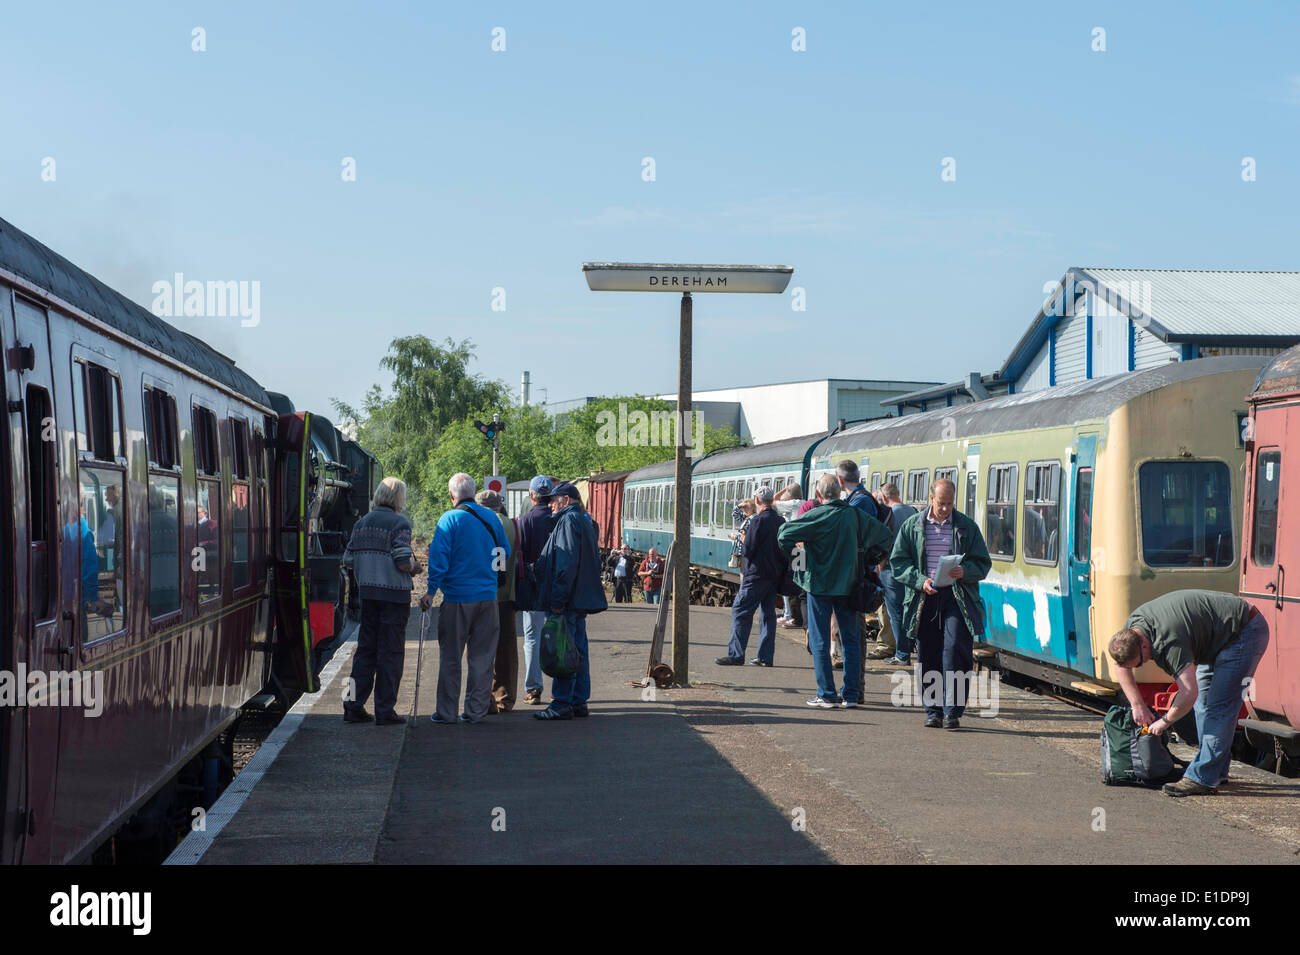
(379, 556)
(467, 550)
(764, 565)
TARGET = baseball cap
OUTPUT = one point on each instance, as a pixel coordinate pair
(565, 489)
(541, 486)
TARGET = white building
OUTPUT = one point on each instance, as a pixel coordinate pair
(761, 413)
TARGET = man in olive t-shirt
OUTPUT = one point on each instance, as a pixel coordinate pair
(1211, 643)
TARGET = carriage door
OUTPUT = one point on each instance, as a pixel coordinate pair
(1079, 565)
(292, 664)
(972, 483)
(1264, 569)
(48, 628)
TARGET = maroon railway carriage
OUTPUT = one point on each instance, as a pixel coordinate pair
(1270, 564)
(152, 501)
(605, 505)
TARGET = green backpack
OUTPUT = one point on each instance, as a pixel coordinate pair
(1131, 758)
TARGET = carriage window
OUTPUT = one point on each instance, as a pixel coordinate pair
(207, 456)
(102, 534)
(1000, 512)
(895, 478)
(946, 474)
(1268, 482)
(41, 518)
(164, 545)
(97, 404)
(670, 496)
(1042, 511)
(1083, 514)
(972, 489)
(207, 564)
(723, 503)
(160, 428)
(1186, 513)
(877, 479)
(239, 508)
(918, 489)
(239, 450)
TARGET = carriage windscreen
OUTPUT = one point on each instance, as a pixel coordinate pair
(1186, 513)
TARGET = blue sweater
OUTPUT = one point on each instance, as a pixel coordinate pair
(462, 555)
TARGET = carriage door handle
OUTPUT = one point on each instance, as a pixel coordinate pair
(1278, 597)
(66, 649)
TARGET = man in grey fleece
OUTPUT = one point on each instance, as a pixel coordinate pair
(379, 554)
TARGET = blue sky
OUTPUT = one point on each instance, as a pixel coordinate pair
(479, 169)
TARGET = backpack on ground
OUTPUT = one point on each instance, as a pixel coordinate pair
(1130, 757)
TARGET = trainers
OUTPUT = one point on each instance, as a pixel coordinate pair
(819, 703)
(435, 718)
(951, 723)
(847, 704)
(756, 662)
(533, 697)
(880, 653)
(1187, 787)
(556, 711)
(899, 661)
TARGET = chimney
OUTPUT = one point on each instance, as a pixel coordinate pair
(523, 390)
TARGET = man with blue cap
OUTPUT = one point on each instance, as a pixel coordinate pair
(568, 586)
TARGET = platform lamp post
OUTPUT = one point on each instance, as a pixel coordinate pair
(685, 279)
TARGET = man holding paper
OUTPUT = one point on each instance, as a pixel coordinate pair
(940, 557)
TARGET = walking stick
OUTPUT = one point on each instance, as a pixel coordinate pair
(419, 661)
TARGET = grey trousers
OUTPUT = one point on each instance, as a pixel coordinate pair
(469, 629)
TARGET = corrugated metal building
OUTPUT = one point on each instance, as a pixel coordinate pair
(1100, 321)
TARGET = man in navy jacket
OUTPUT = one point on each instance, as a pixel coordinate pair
(764, 565)
(568, 586)
(534, 531)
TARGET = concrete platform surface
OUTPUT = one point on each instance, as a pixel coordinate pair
(735, 769)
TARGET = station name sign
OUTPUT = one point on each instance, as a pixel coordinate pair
(660, 277)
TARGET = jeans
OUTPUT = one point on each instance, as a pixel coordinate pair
(652, 596)
(574, 689)
(381, 652)
(760, 595)
(894, 607)
(534, 620)
(946, 649)
(1219, 687)
(820, 610)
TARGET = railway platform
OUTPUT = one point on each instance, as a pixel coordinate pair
(735, 769)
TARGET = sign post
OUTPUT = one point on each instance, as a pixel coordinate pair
(686, 279)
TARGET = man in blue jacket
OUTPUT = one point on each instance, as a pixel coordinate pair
(469, 547)
(568, 586)
(764, 566)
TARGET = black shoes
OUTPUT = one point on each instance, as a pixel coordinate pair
(391, 719)
(357, 714)
(933, 722)
(580, 710)
(951, 723)
(756, 662)
(554, 712)
(730, 661)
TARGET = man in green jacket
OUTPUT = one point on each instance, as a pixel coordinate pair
(839, 543)
(943, 621)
